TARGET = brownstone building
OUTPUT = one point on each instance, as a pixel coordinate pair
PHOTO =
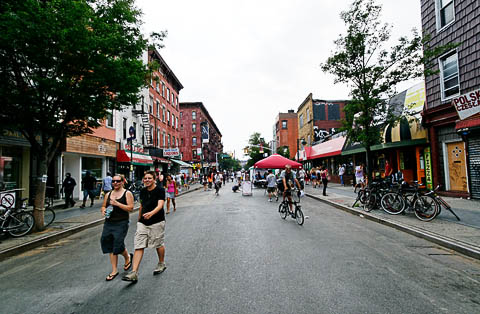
(286, 131)
(452, 111)
(200, 138)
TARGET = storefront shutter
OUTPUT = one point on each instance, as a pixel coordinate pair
(474, 163)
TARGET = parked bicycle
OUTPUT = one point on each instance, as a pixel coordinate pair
(16, 221)
(297, 214)
(441, 202)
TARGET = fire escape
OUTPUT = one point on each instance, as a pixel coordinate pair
(138, 110)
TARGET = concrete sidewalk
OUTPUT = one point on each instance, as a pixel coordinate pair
(67, 222)
(462, 236)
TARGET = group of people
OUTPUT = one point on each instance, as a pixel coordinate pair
(214, 179)
(150, 233)
(319, 176)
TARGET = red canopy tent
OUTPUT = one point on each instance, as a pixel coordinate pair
(276, 161)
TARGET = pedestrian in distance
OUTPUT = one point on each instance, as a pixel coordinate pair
(271, 185)
(89, 183)
(341, 173)
(325, 178)
(117, 204)
(301, 177)
(68, 186)
(150, 226)
(313, 176)
(107, 183)
(204, 181)
(359, 177)
(171, 193)
(218, 182)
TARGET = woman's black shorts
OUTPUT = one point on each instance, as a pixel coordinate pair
(113, 236)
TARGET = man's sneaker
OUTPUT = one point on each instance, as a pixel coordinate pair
(159, 269)
(131, 276)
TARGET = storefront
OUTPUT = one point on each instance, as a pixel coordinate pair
(14, 162)
(133, 164)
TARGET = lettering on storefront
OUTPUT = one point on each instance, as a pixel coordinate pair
(468, 104)
(170, 152)
(428, 168)
(136, 148)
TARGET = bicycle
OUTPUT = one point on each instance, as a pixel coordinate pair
(441, 202)
(284, 210)
(16, 221)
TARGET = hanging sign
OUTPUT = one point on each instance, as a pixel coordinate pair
(428, 168)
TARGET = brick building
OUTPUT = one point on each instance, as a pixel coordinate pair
(327, 118)
(454, 130)
(194, 116)
(286, 131)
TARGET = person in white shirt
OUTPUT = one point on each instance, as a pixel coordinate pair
(271, 185)
(341, 172)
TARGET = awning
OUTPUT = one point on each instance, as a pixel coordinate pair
(182, 163)
(326, 149)
(138, 159)
(467, 124)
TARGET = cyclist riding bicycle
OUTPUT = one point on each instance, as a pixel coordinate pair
(288, 181)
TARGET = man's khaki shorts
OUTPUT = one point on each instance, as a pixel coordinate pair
(149, 236)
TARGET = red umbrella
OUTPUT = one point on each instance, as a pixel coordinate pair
(276, 161)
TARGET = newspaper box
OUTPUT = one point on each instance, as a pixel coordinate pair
(247, 188)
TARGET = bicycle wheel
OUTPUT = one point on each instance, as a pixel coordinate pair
(283, 210)
(361, 196)
(299, 215)
(392, 203)
(49, 216)
(370, 201)
(20, 224)
(425, 208)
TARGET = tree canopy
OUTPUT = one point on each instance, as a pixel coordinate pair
(64, 65)
(254, 149)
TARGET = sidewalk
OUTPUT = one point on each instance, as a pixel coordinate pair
(462, 236)
(67, 222)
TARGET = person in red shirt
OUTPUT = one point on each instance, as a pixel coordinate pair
(388, 171)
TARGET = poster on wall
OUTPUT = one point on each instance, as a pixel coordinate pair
(468, 104)
(205, 132)
(428, 168)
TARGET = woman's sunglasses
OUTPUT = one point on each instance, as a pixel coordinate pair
(116, 181)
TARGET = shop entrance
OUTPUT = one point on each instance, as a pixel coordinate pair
(457, 173)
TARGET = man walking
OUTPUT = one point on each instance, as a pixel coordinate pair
(341, 172)
(89, 188)
(271, 184)
(107, 183)
(68, 186)
(150, 226)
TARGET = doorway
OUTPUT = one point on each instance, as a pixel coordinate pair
(455, 163)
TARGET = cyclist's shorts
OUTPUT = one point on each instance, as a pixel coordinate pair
(288, 192)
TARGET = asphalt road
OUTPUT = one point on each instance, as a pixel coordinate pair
(234, 254)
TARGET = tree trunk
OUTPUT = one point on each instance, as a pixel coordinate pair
(367, 163)
(39, 201)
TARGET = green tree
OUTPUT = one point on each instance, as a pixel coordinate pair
(254, 149)
(228, 163)
(65, 64)
(284, 151)
(371, 71)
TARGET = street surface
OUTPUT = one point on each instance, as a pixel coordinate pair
(234, 254)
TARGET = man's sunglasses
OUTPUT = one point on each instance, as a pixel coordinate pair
(116, 181)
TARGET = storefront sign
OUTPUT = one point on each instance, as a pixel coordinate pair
(205, 132)
(415, 100)
(136, 148)
(467, 104)
(171, 152)
(428, 168)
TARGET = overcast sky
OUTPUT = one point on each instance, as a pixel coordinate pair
(249, 60)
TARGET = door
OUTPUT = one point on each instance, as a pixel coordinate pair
(457, 166)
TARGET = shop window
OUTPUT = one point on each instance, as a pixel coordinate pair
(94, 165)
(10, 167)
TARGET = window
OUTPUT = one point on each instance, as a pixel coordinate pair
(168, 117)
(308, 115)
(164, 139)
(284, 124)
(445, 13)
(301, 120)
(150, 107)
(163, 113)
(194, 115)
(333, 111)
(157, 85)
(173, 141)
(449, 81)
(177, 142)
(169, 140)
(168, 94)
(134, 129)
(158, 108)
(163, 89)
(194, 127)
(157, 141)
(194, 141)
(181, 127)
(181, 114)
(194, 153)
(181, 141)
(110, 119)
(173, 120)
(176, 123)
(124, 127)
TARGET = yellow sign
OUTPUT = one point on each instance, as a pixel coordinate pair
(415, 99)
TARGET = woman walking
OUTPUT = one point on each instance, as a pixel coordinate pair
(313, 177)
(171, 191)
(116, 207)
(324, 176)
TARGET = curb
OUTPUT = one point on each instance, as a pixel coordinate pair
(450, 243)
(24, 247)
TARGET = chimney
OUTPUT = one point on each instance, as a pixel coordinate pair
(291, 111)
